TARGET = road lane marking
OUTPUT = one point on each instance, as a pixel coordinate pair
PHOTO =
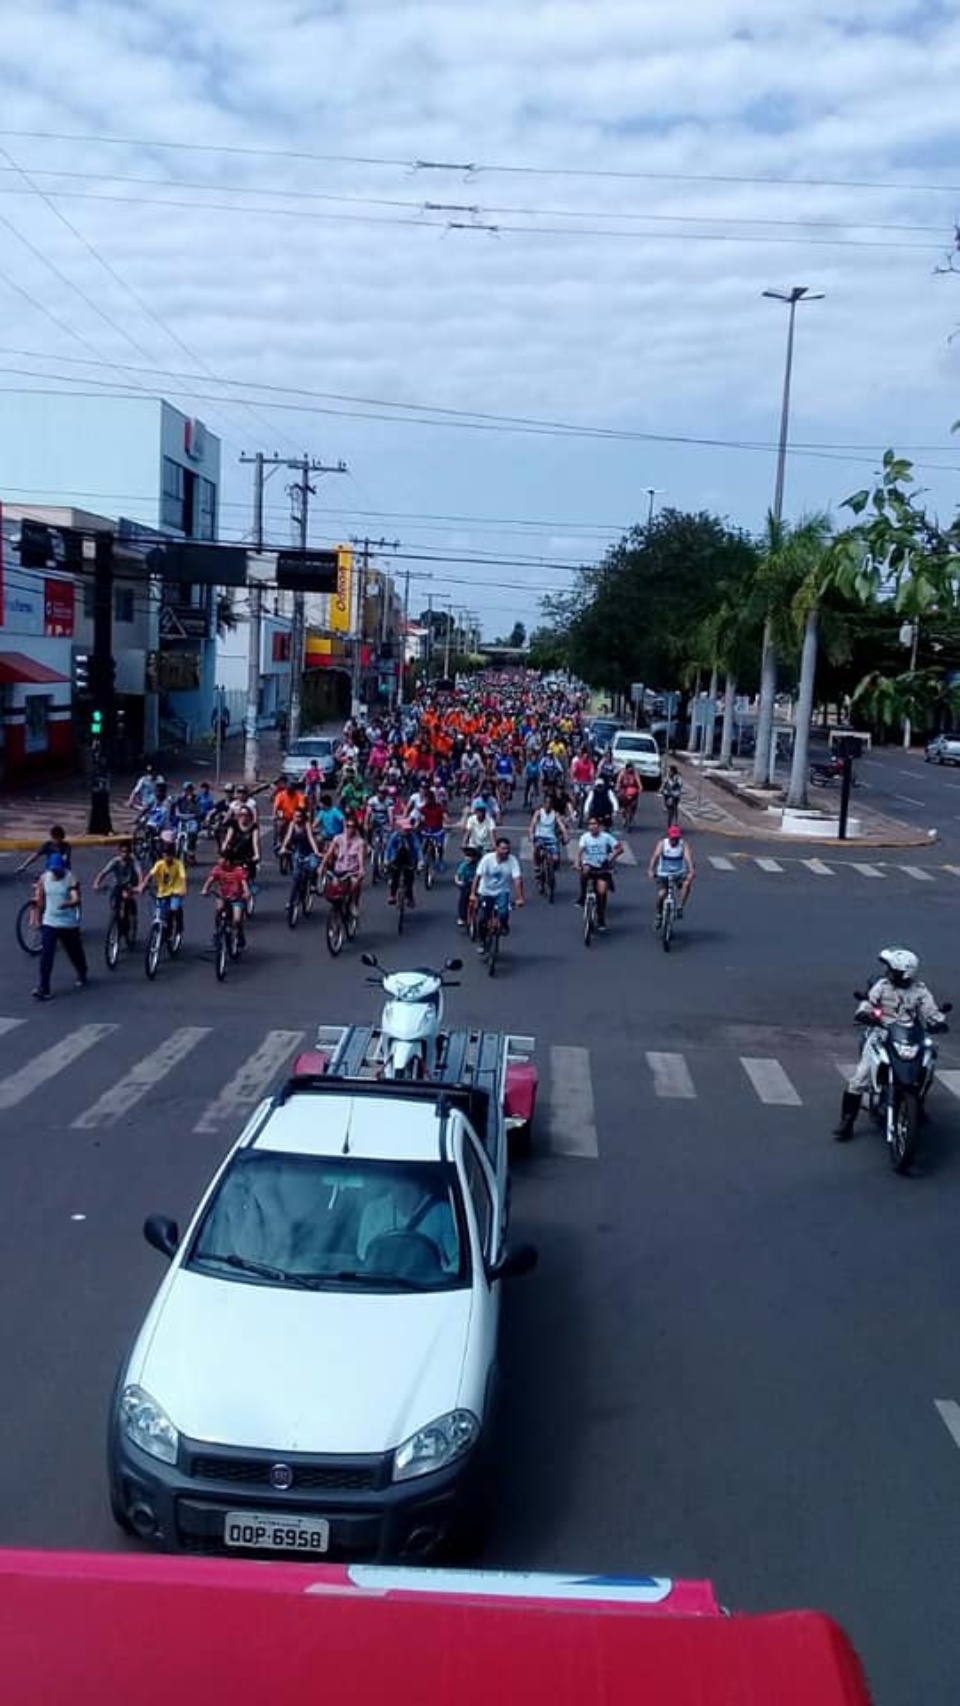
(671, 1077)
(866, 870)
(909, 800)
(768, 864)
(818, 867)
(242, 1093)
(115, 1102)
(949, 1412)
(9, 1025)
(770, 1082)
(950, 1079)
(573, 1125)
(719, 863)
(916, 872)
(21, 1084)
(953, 869)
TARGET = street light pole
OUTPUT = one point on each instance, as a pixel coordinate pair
(766, 751)
(910, 636)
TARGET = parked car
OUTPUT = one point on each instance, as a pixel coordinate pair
(317, 1373)
(944, 749)
(601, 731)
(639, 748)
(297, 761)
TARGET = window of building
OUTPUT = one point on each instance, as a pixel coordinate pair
(37, 722)
(172, 495)
(206, 509)
(123, 604)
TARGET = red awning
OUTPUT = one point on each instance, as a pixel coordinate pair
(16, 666)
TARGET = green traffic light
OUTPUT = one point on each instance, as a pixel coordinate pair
(96, 723)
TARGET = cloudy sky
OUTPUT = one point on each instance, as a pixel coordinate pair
(504, 257)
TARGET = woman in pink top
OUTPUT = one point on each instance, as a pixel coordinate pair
(346, 857)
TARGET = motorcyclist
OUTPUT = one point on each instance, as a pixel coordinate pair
(900, 994)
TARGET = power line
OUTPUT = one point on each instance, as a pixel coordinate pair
(474, 168)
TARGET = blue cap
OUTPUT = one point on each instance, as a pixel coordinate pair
(56, 863)
(479, 804)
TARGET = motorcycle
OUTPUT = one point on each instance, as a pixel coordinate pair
(824, 774)
(412, 1016)
(902, 1058)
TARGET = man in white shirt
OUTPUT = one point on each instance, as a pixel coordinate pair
(498, 879)
(597, 853)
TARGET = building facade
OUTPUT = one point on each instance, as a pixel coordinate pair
(157, 471)
(37, 626)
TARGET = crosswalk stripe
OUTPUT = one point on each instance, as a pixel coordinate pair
(671, 1077)
(918, 874)
(573, 1125)
(953, 869)
(22, 1083)
(950, 1080)
(770, 1082)
(846, 1068)
(818, 867)
(115, 1102)
(719, 863)
(866, 870)
(9, 1025)
(251, 1082)
(769, 865)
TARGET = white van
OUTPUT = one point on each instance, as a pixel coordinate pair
(634, 746)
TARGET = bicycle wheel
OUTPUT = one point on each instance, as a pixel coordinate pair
(175, 936)
(472, 924)
(111, 944)
(220, 953)
(154, 945)
(589, 917)
(493, 949)
(334, 930)
(429, 870)
(130, 924)
(666, 927)
(540, 876)
(28, 935)
(295, 903)
(551, 880)
(401, 910)
(233, 939)
(350, 921)
(252, 901)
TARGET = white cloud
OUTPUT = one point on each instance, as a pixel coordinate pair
(661, 330)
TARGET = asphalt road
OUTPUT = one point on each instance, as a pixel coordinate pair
(729, 1360)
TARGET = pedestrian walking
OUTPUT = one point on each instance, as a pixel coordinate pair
(57, 898)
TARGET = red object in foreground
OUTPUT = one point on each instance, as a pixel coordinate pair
(85, 1629)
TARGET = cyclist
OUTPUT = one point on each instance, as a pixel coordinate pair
(233, 891)
(169, 879)
(551, 771)
(205, 801)
(433, 825)
(242, 841)
(188, 818)
(628, 793)
(301, 843)
(376, 818)
(353, 793)
(330, 819)
(547, 832)
(287, 801)
(346, 857)
(56, 843)
(242, 800)
(504, 776)
(671, 858)
(601, 800)
(670, 794)
(124, 875)
(312, 778)
(497, 880)
(597, 853)
(531, 777)
(402, 859)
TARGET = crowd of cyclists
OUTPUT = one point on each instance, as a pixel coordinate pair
(448, 766)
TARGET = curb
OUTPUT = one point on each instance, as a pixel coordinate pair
(17, 844)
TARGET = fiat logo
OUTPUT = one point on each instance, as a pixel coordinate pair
(281, 1477)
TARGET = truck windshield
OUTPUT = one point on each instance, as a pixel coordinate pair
(329, 1224)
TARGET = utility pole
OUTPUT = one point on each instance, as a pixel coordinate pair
(402, 660)
(101, 682)
(251, 731)
(302, 491)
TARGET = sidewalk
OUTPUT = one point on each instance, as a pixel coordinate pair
(718, 805)
(26, 814)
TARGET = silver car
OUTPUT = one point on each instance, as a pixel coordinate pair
(297, 761)
(945, 749)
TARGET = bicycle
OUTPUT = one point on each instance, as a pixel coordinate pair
(378, 844)
(228, 937)
(591, 911)
(488, 931)
(166, 931)
(303, 893)
(545, 865)
(671, 806)
(431, 860)
(341, 917)
(628, 811)
(122, 926)
(669, 910)
(282, 855)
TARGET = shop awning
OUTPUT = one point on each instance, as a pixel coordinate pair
(16, 666)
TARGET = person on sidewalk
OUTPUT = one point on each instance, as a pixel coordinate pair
(57, 897)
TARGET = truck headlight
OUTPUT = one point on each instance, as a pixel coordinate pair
(146, 1425)
(436, 1445)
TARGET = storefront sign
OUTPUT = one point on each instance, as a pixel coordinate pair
(58, 609)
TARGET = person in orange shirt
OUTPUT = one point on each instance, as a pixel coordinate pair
(287, 800)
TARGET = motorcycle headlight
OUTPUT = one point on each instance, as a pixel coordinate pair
(906, 1051)
(436, 1445)
(146, 1425)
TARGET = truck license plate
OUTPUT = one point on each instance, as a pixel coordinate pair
(266, 1531)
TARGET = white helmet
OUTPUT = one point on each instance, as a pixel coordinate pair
(902, 965)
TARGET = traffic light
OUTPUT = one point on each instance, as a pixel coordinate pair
(96, 725)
